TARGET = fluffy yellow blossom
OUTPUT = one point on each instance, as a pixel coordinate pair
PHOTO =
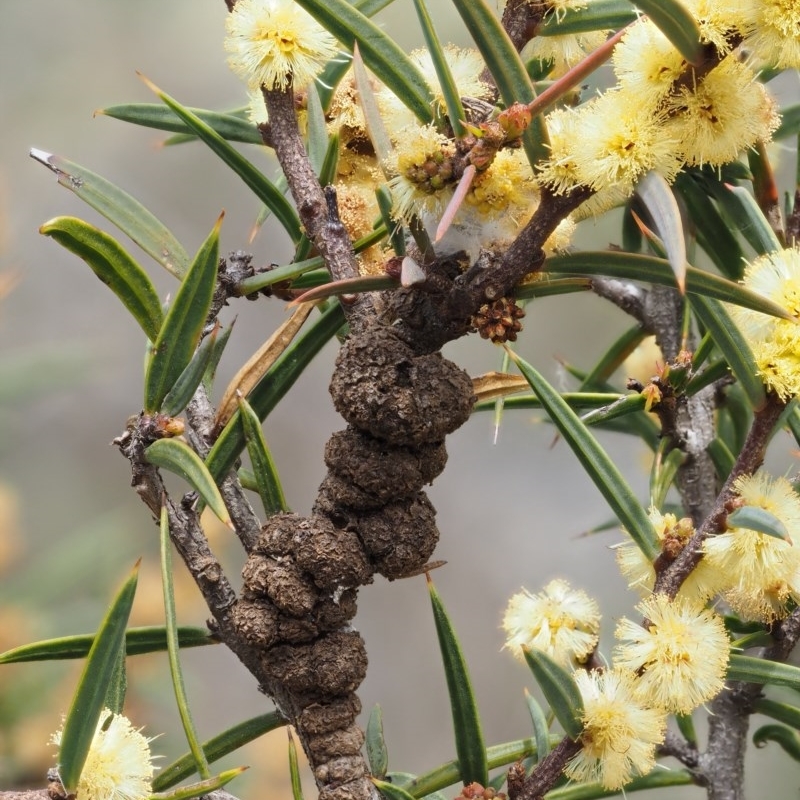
(647, 63)
(721, 23)
(619, 734)
(276, 43)
(422, 165)
(119, 765)
(608, 143)
(507, 187)
(760, 572)
(728, 111)
(562, 621)
(559, 172)
(775, 342)
(776, 32)
(620, 141)
(672, 534)
(680, 659)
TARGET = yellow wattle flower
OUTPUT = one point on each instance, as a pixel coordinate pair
(276, 43)
(119, 765)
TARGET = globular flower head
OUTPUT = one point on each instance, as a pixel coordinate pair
(506, 188)
(276, 43)
(620, 735)
(562, 621)
(775, 26)
(759, 572)
(119, 764)
(612, 142)
(680, 658)
(673, 535)
(775, 342)
(721, 23)
(422, 163)
(646, 63)
(725, 113)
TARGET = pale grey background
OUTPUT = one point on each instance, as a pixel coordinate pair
(510, 514)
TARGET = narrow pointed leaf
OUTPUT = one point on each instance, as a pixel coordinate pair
(790, 715)
(755, 518)
(541, 730)
(115, 268)
(337, 67)
(468, 734)
(226, 742)
(760, 670)
(117, 685)
(677, 24)
(395, 228)
(177, 340)
(452, 99)
(559, 688)
(711, 230)
(506, 68)
(788, 739)
(266, 474)
(294, 769)
(232, 126)
(739, 207)
(380, 52)
(655, 193)
(176, 456)
(273, 386)
(171, 627)
(181, 393)
(600, 468)
(137, 641)
(260, 363)
(295, 269)
(598, 15)
(262, 187)
(722, 458)
(317, 134)
(87, 704)
(757, 229)
(201, 788)
(216, 355)
(650, 269)
(662, 474)
(732, 345)
(117, 206)
(685, 725)
(377, 754)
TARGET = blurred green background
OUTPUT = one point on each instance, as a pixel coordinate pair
(510, 513)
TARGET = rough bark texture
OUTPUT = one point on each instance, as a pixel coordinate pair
(371, 516)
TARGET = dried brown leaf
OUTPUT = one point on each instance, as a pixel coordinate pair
(258, 364)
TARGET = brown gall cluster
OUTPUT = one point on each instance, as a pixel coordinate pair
(499, 321)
